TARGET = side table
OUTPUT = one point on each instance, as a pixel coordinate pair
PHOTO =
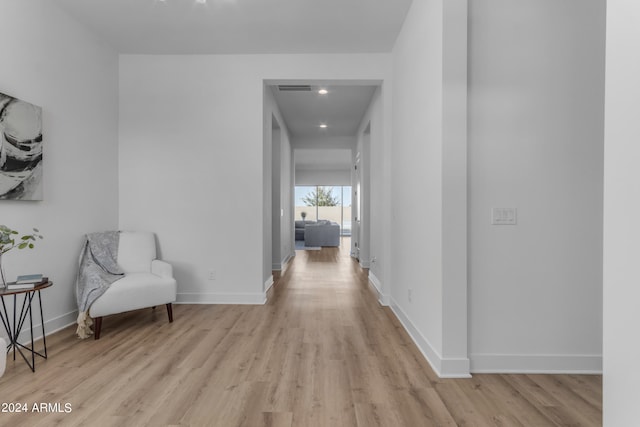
(13, 325)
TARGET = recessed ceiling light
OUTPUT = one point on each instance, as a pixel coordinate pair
(323, 91)
(201, 1)
(323, 126)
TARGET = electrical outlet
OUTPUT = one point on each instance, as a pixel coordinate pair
(410, 294)
(212, 275)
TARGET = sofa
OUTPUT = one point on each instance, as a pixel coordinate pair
(300, 228)
(318, 233)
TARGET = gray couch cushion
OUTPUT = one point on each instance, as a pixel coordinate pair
(322, 234)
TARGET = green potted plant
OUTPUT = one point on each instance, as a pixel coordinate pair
(8, 241)
(303, 215)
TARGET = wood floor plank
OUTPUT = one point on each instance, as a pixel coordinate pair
(571, 408)
(464, 409)
(505, 399)
(277, 419)
(377, 415)
(322, 352)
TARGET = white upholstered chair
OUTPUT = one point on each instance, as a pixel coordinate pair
(147, 282)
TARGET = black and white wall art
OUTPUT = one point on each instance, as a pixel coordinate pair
(20, 149)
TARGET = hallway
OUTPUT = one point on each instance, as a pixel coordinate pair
(360, 368)
(322, 352)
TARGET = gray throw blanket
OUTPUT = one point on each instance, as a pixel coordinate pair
(98, 269)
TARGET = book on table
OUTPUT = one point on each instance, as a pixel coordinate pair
(13, 286)
(26, 281)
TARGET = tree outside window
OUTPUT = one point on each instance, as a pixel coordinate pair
(321, 196)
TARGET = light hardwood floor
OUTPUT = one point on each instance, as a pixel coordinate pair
(322, 352)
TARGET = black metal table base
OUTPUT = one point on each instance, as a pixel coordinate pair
(13, 328)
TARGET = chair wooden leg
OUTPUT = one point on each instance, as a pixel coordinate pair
(97, 325)
(170, 312)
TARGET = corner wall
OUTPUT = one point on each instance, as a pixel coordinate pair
(52, 61)
(428, 169)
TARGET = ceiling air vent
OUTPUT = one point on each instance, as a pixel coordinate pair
(294, 88)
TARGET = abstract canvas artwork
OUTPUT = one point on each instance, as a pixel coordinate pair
(20, 149)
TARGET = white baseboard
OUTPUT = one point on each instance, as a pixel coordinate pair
(58, 323)
(288, 258)
(444, 368)
(268, 284)
(281, 266)
(383, 299)
(536, 364)
(222, 298)
(50, 326)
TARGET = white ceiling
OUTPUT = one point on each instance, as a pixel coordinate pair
(259, 27)
(341, 110)
(242, 26)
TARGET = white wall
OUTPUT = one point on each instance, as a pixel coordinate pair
(287, 176)
(427, 164)
(322, 158)
(191, 146)
(360, 237)
(621, 213)
(323, 177)
(416, 171)
(332, 142)
(319, 165)
(276, 177)
(268, 233)
(380, 208)
(535, 143)
(51, 61)
(281, 169)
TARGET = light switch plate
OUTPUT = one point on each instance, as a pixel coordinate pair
(504, 216)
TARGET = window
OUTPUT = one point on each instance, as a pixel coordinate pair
(324, 202)
(304, 208)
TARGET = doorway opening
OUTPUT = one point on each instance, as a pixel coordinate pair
(318, 125)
